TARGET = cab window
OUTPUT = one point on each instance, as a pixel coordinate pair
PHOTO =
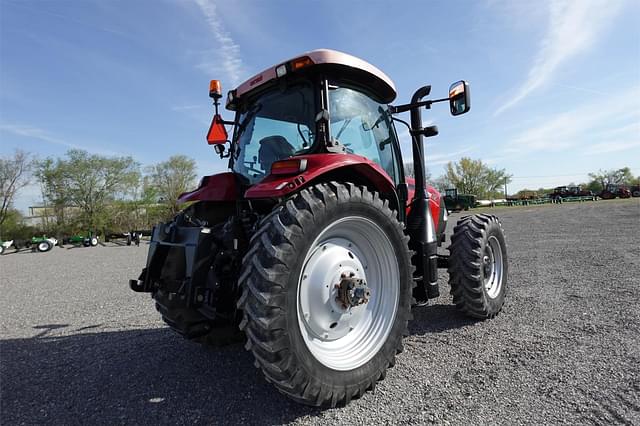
(363, 126)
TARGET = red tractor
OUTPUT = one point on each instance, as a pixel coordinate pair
(613, 190)
(315, 244)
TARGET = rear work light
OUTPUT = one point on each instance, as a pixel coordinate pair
(294, 65)
(298, 63)
(281, 71)
(289, 167)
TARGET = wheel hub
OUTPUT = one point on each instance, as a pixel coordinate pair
(352, 291)
(492, 267)
(331, 310)
(348, 293)
(486, 261)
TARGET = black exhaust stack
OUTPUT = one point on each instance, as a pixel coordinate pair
(419, 225)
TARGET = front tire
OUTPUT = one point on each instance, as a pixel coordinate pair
(44, 246)
(316, 345)
(478, 266)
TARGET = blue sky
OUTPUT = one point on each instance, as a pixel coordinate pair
(555, 84)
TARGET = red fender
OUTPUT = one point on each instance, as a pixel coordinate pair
(219, 187)
(435, 200)
(275, 186)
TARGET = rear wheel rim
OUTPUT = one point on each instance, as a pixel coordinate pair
(493, 267)
(43, 246)
(339, 337)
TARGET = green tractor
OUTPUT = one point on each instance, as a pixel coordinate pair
(42, 244)
(5, 245)
(456, 202)
(87, 240)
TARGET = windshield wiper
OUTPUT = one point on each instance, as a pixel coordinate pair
(247, 119)
(344, 126)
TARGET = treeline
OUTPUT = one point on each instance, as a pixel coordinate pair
(83, 191)
(475, 177)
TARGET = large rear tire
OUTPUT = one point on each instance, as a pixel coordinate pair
(327, 290)
(478, 266)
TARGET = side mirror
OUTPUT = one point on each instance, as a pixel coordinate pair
(459, 98)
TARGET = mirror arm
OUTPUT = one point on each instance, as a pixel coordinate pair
(396, 109)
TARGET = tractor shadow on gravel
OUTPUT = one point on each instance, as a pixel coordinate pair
(135, 377)
(150, 377)
(436, 319)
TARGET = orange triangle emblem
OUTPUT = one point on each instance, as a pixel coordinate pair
(217, 132)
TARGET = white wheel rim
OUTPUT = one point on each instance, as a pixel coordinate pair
(346, 338)
(492, 265)
(43, 246)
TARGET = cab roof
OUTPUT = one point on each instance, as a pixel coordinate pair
(336, 63)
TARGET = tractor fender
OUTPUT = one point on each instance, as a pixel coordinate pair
(436, 205)
(322, 167)
(218, 187)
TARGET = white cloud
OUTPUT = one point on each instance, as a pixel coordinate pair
(574, 26)
(228, 51)
(605, 125)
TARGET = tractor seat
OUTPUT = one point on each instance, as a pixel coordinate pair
(273, 148)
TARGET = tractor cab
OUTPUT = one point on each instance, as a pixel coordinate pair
(289, 120)
(451, 193)
(324, 102)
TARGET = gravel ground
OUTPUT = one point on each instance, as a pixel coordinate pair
(77, 347)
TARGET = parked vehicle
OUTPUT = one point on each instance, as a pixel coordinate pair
(456, 202)
(316, 244)
(561, 192)
(5, 245)
(131, 237)
(42, 244)
(579, 191)
(86, 240)
(635, 191)
(614, 191)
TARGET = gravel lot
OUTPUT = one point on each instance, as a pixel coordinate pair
(78, 347)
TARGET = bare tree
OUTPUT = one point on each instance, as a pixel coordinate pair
(14, 175)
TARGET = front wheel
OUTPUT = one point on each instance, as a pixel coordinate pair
(327, 289)
(478, 266)
(44, 246)
(93, 241)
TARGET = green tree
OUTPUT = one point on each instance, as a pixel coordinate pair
(171, 178)
(475, 177)
(50, 175)
(88, 183)
(14, 228)
(14, 175)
